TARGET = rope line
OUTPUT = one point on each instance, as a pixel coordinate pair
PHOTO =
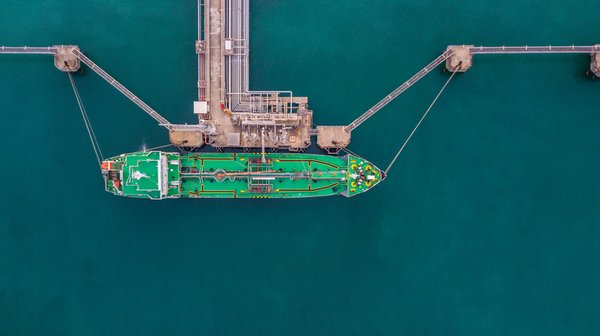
(86, 121)
(420, 121)
(349, 152)
(159, 147)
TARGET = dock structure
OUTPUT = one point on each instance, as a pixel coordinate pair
(64, 58)
(230, 115)
(595, 64)
(112, 81)
(400, 90)
(333, 138)
(69, 59)
(464, 53)
(459, 58)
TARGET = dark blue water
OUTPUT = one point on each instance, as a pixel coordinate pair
(489, 224)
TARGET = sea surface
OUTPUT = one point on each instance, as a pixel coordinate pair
(489, 223)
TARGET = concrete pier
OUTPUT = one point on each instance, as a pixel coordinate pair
(65, 59)
(461, 59)
(231, 115)
(333, 138)
(595, 64)
(236, 116)
(186, 138)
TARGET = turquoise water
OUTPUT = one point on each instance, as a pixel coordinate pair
(489, 224)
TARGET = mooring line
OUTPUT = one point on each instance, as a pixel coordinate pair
(159, 147)
(86, 121)
(349, 152)
(421, 121)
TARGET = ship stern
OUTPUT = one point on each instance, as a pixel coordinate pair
(151, 175)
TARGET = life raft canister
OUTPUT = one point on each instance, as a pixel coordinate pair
(106, 165)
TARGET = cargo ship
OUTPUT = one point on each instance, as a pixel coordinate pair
(160, 175)
(231, 116)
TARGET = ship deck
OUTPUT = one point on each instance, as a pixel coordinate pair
(158, 175)
(247, 175)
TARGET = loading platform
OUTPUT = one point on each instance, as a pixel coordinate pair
(230, 115)
(460, 58)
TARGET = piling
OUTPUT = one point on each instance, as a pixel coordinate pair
(461, 59)
(595, 64)
(65, 59)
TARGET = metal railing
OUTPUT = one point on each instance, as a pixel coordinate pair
(473, 50)
(28, 50)
(401, 89)
(85, 60)
(112, 81)
(536, 50)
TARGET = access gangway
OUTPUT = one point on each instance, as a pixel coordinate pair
(98, 70)
(108, 78)
(481, 50)
(400, 90)
(28, 50)
(535, 50)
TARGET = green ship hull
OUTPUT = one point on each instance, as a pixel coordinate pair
(160, 175)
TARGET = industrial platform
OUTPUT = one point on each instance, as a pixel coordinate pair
(230, 115)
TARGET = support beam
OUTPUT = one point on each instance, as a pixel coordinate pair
(333, 138)
(595, 64)
(503, 50)
(400, 90)
(186, 138)
(65, 59)
(465, 53)
(112, 81)
(461, 59)
(28, 50)
(69, 58)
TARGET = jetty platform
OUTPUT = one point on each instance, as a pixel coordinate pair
(231, 115)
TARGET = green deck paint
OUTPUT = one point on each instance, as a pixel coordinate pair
(159, 175)
(487, 225)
